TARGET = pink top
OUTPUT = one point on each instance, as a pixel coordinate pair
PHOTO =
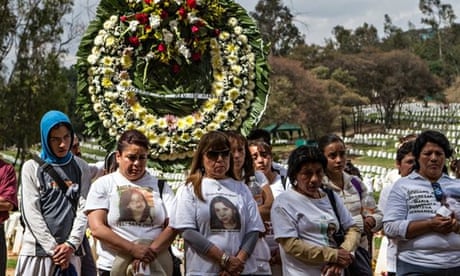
(8, 188)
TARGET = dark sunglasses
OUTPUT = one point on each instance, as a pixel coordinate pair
(214, 155)
(438, 193)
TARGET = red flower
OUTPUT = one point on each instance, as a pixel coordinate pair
(142, 18)
(196, 56)
(164, 14)
(182, 12)
(161, 47)
(123, 18)
(216, 32)
(195, 29)
(134, 40)
(175, 68)
(191, 3)
(148, 2)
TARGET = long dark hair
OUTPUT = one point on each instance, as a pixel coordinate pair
(248, 168)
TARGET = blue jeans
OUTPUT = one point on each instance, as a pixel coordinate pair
(407, 269)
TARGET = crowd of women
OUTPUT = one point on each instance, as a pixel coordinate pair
(239, 212)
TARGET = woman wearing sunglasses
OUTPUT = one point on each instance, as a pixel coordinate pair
(418, 216)
(216, 250)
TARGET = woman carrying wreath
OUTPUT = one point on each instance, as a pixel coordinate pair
(216, 251)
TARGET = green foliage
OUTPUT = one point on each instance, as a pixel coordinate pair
(276, 26)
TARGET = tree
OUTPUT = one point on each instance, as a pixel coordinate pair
(297, 97)
(437, 16)
(395, 38)
(276, 27)
(349, 41)
(34, 83)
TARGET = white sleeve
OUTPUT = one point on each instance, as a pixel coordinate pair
(186, 209)
(30, 207)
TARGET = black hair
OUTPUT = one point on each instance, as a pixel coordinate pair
(431, 136)
(301, 156)
(259, 134)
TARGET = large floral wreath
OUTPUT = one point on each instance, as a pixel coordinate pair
(173, 69)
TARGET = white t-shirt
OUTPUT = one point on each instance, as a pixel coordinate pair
(216, 219)
(135, 209)
(311, 220)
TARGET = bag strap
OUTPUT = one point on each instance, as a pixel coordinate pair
(330, 195)
(49, 169)
(355, 182)
(283, 181)
(161, 184)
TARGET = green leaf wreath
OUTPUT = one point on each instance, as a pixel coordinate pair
(173, 69)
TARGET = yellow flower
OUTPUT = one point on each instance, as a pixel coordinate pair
(228, 106)
(233, 94)
(217, 89)
(212, 126)
(236, 69)
(107, 82)
(126, 61)
(189, 121)
(162, 123)
(197, 133)
(109, 41)
(221, 116)
(163, 141)
(149, 120)
(232, 48)
(208, 106)
(107, 61)
(185, 137)
(237, 82)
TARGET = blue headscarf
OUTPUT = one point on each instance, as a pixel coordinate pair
(49, 120)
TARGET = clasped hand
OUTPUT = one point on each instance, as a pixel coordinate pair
(62, 254)
(234, 267)
(443, 225)
(143, 253)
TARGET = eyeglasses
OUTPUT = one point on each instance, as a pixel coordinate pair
(438, 193)
(214, 155)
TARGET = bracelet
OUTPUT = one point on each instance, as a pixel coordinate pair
(224, 260)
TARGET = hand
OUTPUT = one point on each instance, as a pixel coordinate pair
(276, 257)
(143, 253)
(234, 266)
(136, 264)
(443, 225)
(62, 254)
(369, 224)
(331, 270)
(344, 258)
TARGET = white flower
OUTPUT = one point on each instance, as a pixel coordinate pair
(232, 21)
(99, 40)
(133, 25)
(243, 39)
(155, 21)
(238, 30)
(167, 36)
(92, 59)
(173, 25)
(183, 50)
(224, 36)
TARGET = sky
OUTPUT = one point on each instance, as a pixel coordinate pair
(316, 19)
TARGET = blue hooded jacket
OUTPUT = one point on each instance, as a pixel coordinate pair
(49, 120)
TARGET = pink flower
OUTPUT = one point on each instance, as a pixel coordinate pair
(161, 47)
(148, 2)
(195, 29)
(123, 18)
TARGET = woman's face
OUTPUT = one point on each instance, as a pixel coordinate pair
(406, 164)
(238, 154)
(309, 179)
(223, 213)
(262, 160)
(137, 203)
(216, 163)
(431, 161)
(132, 161)
(336, 157)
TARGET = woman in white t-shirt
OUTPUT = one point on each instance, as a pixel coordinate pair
(128, 216)
(216, 250)
(305, 223)
(258, 184)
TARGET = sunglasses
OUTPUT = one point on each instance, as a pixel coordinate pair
(214, 155)
(438, 193)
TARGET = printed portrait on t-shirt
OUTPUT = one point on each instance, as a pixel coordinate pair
(136, 205)
(331, 229)
(224, 215)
